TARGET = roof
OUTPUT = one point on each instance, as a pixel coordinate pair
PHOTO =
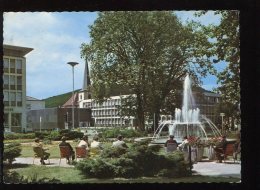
(68, 103)
(29, 98)
(19, 51)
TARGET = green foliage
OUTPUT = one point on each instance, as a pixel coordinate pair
(71, 134)
(12, 177)
(11, 151)
(59, 100)
(42, 135)
(19, 136)
(127, 133)
(113, 152)
(54, 135)
(139, 160)
(149, 52)
(99, 168)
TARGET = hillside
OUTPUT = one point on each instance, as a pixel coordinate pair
(59, 100)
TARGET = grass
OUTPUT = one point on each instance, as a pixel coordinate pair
(72, 175)
(53, 148)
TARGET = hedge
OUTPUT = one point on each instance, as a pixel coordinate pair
(11, 151)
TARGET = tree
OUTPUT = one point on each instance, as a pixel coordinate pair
(226, 48)
(149, 52)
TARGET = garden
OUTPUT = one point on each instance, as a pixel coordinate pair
(139, 163)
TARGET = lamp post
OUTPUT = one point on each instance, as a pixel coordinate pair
(72, 64)
(222, 115)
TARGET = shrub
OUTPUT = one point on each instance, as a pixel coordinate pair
(11, 151)
(42, 135)
(139, 160)
(19, 136)
(71, 134)
(99, 168)
(113, 152)
(127, 133)
(54, 135)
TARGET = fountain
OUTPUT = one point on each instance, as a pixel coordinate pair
(188, 121)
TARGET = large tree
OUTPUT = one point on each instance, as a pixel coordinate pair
(149, 52)
(226, 48)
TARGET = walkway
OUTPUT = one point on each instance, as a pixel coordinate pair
(205, 168)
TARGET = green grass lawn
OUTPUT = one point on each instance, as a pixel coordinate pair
(72, 175)
(53, 148)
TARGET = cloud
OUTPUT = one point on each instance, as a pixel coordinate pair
(54, 42)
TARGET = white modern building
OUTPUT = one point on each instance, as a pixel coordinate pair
(14, 87)
(34, 103)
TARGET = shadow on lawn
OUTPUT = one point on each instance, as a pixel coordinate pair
(15, 165)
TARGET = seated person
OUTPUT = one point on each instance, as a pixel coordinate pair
(64, 143)
(119, 143)
(45, 155)
(184, 148)
(84, 142)
(170, 141)
(95, 146)
(220, 149)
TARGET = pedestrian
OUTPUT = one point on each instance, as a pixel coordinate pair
(171, 144)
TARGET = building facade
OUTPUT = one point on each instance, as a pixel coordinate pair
(14, 87)
(107, 114)
(57, 118)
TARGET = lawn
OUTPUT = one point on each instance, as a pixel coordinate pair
(72, 175)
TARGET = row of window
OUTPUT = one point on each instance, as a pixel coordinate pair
(13, 66)
(13, 99)
(104, 112)
(107, 103)
(12, 82)
(109, 121)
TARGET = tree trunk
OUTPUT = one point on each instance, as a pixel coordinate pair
(140, 113)
(156, 119)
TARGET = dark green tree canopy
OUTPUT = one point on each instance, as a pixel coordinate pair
(149, 52)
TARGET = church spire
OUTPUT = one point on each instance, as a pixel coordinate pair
(86, 82)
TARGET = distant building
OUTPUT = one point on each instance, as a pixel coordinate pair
(34, 103)
(55, 118)
(14, 87)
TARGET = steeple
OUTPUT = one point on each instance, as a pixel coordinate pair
(85, 92)
(86, 81)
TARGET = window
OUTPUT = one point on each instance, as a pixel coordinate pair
(16, 119)
(12, 98)
(19, 66)
(6, 82)
(19, 99)
(6, 120)
(12, 65)
(6, 98)
(6, 65)
(19, 82)
(12, 82)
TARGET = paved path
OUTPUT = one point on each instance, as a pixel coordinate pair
(228, 169)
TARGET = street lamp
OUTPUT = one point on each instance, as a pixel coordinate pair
(72, 64)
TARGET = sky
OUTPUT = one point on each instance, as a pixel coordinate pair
(56, 38)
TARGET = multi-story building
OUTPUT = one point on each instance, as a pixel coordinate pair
(14, 87)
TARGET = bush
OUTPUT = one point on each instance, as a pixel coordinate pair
(113, 152)
(11, 151)
(19, 136)
(54, 135)
(42, 135)
(71, 134)
(97, 168)
(139, 160)
(126, 133)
